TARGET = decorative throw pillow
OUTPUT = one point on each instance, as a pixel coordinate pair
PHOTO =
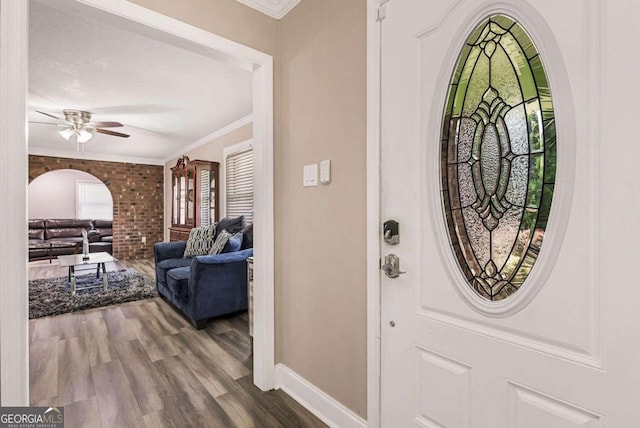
(200, 241)
(231, 225)
(247, 237)
(233, 244)
(221, 241)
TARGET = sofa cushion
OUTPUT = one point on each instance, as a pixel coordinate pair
(87, 224)
(103, 228)
(166, 265)
(101, 247)
(70, 239)
(64, 232)
(178, 281)
(54, 223)
(106, 239)
(36, 223)
(200, 241)
(57, 223)
(36, 233)
(233, 244)
(103, 224)
(221, 241)
(232, 225)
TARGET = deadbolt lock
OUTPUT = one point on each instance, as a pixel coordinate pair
(391, 232)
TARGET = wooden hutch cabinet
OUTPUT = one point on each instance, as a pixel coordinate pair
(194, 202)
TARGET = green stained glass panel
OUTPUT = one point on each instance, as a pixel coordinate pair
(535, 125)
(536, 174)
(463, 83)
(521, 66)
(478, 85)
(499, 153)
(504, 77)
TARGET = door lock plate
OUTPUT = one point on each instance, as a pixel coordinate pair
(391, 266)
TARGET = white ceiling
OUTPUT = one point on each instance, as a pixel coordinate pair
(167, 97)
(274, 8)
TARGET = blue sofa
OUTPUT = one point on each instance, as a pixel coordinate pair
(202, 287)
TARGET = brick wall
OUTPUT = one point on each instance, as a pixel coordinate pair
(138, 199)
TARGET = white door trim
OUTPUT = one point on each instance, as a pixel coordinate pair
(14, 312)
(14, 354)
(373, 213)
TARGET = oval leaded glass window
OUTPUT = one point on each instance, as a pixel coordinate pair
(498, 157)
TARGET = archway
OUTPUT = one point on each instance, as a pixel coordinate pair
(69, 193)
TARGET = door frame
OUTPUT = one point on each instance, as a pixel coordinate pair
(14, 314)
(374, 224)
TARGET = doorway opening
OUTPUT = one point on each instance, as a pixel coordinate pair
(14, 28)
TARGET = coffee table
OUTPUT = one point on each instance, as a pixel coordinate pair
(75, 261)
(50, 245)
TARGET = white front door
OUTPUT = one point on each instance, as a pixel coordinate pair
(564, 349)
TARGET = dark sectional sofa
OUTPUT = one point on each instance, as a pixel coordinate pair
(45, 231)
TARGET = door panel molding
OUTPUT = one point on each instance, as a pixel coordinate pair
(442, 380)
(546, 409)
(559, 350)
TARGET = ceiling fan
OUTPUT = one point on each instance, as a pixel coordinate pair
(78, 123)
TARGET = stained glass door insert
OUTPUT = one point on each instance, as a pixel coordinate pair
(498, 157)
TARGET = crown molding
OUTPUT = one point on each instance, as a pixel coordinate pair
(72, 154)
(208, 138)
(276, 9)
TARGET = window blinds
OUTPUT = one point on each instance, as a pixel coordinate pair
(239, 184)
(93, 200)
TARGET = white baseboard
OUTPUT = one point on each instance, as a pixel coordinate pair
(318, 402)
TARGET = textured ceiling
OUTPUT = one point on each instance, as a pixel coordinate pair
(166, 97)
(274, 8)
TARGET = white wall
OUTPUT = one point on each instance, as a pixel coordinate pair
(53, 195)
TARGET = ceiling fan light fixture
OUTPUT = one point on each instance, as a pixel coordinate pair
(84, 136)
(77, 123)
(66, 133)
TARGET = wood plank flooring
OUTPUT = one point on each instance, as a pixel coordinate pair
(141, 364)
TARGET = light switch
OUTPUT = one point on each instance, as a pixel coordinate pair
(310, 175)
(325, 171)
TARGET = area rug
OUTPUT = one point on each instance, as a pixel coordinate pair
(52, 296)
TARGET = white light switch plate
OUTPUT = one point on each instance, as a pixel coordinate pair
(325, 171)
(310, 175)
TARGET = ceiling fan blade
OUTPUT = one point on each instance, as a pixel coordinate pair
(106, 124)
(45, 123)
(115, 134)
(47, 114)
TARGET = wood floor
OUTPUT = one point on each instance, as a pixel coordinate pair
(141, 364)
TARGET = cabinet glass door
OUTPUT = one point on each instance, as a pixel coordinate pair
(176, 195)
(182, 197)
(190, 199)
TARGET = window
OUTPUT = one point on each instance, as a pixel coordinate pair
(239, 181)
(93, 201)
(498, 156)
